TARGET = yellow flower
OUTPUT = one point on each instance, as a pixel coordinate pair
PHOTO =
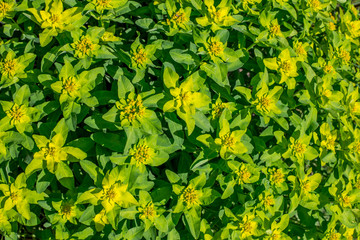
(243, 174)
(101, 5)
(179, 18)
(9, 67)
(55, 18)
(329, 138)
(277, 176)
(284, 63)
(140, 57)
(265, 100)
(51, 151)
(349, 233)
(247, 226)
(217, 109)
(230, 141)
(332, 235)
(148, 211)
(71, 86)
(274, 29)
(191, 196)
(344, 56)
(353, 28)
(267, 200)
(215, 48)
(218, 16)
(141, 154)
(115, 194)
(300, 51)
(298, 148)
(275, 235)
(84, 47)
(346, 200)
(5, 8)
(309, 183)
(315, 5)
(186, 98)
(67, 211)
(131, 109)
(18, 114)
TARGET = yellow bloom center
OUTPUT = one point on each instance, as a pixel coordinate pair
(227, 140)
(333, 236)
(110, 193)
(215, 15)
(9, 67)
(306, 186)
(330, 142)
(103, 3)
(4, 8)
(275, 235)
(357, 182)
(148, 211)
(247, 227)
(140, 57)
(264, 103)
(133, 109)
(275, 30)
(356, 147)
(141, 153)
(14, 196)
(332, 26)
(190, 197)
(84, 46)
(300, 50)
(67, 210)
(71, 86)
(269, 201)
(315, 4)
(277, 176)
(285, 66)
(17, 114)
(298, 148)
(243, 175)
(216, 48)
(217, 109)
(179, 17)
(344, 56)
(49, 151)
(328, 68)
(345, 200)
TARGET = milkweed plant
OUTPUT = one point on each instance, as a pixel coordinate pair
(179, 119)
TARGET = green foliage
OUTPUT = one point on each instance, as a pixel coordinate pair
(179, 119)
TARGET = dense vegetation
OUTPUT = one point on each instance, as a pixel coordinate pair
(179, 119)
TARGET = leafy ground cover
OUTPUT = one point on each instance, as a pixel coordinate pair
(181, 119)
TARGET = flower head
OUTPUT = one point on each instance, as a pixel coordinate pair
(18, 114)
(5, 8)
(84, 47)
(230, 141)
(277, 176)
(190, 196)
(71, 86)
(215, 48)
(9, 67)
(131, 109)
(247, 226)
(243, 174)
(148, 211)
(140, 57)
